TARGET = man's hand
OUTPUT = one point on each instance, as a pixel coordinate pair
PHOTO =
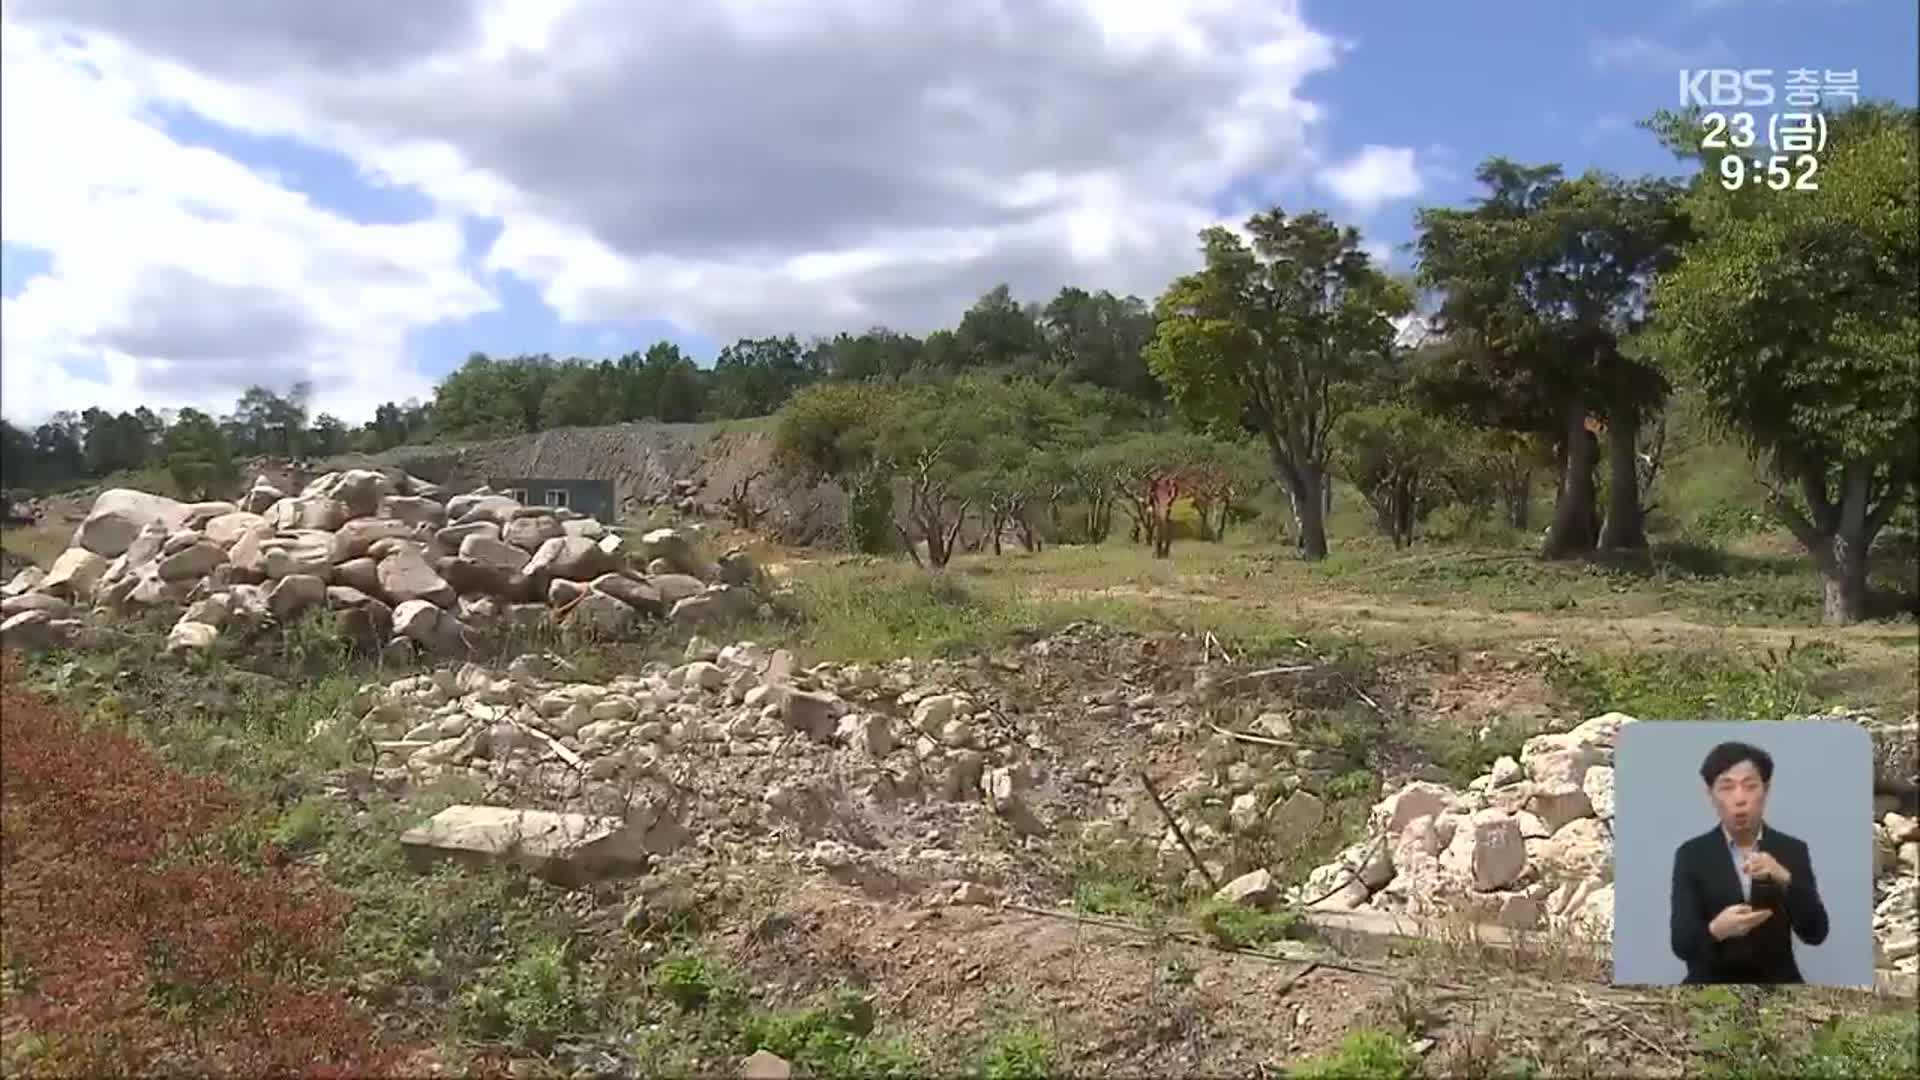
(1762, 865)
(1737, 921)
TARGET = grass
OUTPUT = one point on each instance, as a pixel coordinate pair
(1366, 1054)
(1022, 1052)
(39, 544)
(1232, 926)
(1743, 1035)
(1770, 685)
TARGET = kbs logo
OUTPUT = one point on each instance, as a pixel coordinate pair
(1726, 86)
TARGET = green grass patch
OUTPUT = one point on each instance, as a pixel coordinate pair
(1367, 1054)
(1233, 926)
(1022, 1052)
(1120, 878)
(1770, 685)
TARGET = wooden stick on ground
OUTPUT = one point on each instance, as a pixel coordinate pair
(1260, 739)
(1178, 833)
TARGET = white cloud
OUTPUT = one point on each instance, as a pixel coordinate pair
(1373, 177)
(1636, 53)
(740, 167)
(180, 274)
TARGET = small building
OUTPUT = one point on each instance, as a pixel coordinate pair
(593, 498)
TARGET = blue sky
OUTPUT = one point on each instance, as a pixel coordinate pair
(317, 239)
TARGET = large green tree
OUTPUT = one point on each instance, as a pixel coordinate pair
(1275, 334)
(1797, 314)
(1543, 282)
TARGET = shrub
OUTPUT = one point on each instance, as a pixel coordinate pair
(132, 953)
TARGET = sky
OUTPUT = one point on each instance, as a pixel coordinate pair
(197, 196)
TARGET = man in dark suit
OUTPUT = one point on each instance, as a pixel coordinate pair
(1743, 890)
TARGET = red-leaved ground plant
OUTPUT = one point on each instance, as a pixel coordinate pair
(132, 953)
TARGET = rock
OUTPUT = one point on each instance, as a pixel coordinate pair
(1896, 758)
(1901, 829)
(811, 714)
(602, 616)
(507, 557)
(1254, 889)
(1005, 788)
(362, 574)
(1487, 850)
(211, 610)
(497, 509)
(720, 603)
(453, 536)
(405, 575)
(308, 512)
(261, 497)
(765, 1065)
(294, 594)
(674, 588)
(175, 542)
(196, 515)
(416, 619)
(248, 555)
(1594, 916)
(614, 546)
(569, 849)
(23, 582)
(307, 551)
(656, 567)
(932, 713)
(346, 598)
(1243, 814)
(641, 595)
(1298, 816)
(28, 630)
(1505, 771)
(413, 509)
(571, 557)
(186, 637)
(75, 573)
(529, 531)
(359, 490)
(193, 561)
(1580, 850)
(702, 674)
(561, 592)
(737, 568)
(226, 529)
(353, 539)
(586, 528)
(54, 606)
(117, 516)
(1557, 806)
(870, 733)
(1598, 785)
(1418, 799)
(677, 548)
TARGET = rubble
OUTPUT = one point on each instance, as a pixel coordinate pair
(373, 547)
(1529, 846)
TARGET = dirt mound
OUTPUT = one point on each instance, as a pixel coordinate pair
(648, 463)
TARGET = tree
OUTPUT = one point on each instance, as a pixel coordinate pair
(879, 353)
(996, 332)
(1273, 335)
(754, 377)
(831, 430)
(1797, 314)
(1101, 339)
(1394, 456)
(1542, 282)
(328, 436)
(198, 456)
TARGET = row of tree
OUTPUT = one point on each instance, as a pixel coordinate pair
(1564, 312)
(71, 448)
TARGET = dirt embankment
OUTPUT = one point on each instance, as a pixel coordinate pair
(644, 461)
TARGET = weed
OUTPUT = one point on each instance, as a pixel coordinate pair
(1367, 1054)
(1353, 784)
(691, 981)
(1694, 686)
(533, 999)
(829, 1039)
(1118, 877)
(1739, 1034)
(1233, 926)
(1861, 1047)
(1020, 1053)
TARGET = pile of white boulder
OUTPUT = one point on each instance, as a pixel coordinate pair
(403, 564)
(854, 767)
(1529, 846)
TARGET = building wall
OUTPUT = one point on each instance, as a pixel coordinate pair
(591, 497)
